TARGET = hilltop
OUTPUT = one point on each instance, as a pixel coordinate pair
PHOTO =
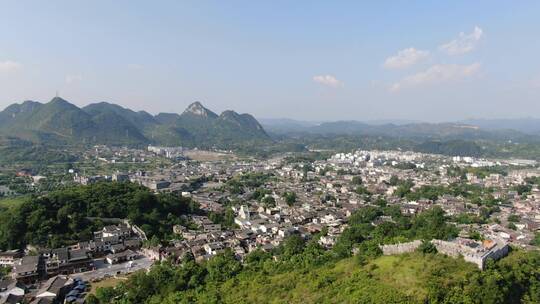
(59, 121)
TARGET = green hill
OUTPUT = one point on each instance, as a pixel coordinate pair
(408, 278)
(60, 122)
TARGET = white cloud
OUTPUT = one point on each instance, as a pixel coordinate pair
(8, 66)
(464, 43)
(328, 80)
(70, 79)
(405, 58)
(437, 74)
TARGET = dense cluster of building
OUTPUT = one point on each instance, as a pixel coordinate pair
(44, 269)
(325, 195)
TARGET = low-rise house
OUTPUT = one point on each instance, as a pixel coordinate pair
(211, 227)
(153, 253)
(53, 290)
(133, 244)
(8, 258)
(9, 286)
(26, 269)
(121, 231)
(214, 248)
(116, 248)
(66, 261)
(121, 257)
(11, 299)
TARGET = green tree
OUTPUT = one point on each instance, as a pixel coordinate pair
(427, 248)
(223, 266)
(357, 180)
(290, 198)
(536, 240)
(292, 245)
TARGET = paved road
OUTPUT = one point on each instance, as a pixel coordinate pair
(105, 270)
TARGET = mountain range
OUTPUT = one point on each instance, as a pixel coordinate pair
(59, 121)
(463, 130)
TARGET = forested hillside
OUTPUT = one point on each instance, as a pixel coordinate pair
(60, 122)
(60, 217)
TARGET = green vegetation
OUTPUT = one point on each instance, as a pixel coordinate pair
(60, 122)
(4, 271)
(33, 154)
(300, 276)
(303, 271)
(356, 180)
(12, 202)
(60, 217)
(290, 197)
(536, 240)
(514, 218)
(427, 248)
(480, 172)
(452, 147)
(247, 181)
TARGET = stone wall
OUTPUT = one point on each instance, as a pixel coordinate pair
(400, 248)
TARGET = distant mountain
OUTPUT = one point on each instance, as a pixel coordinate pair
(141, 118)
(286, 125)
(418, 130)
(166, 118)
(525, 125)
(227, 128)
(59, 121)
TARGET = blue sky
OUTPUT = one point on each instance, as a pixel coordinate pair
(311, 60)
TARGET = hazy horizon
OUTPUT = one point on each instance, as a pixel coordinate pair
(308, 61)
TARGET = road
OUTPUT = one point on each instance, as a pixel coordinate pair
(105, 270)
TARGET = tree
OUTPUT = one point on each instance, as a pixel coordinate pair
(514, 218)
(427, 248)
(351, 236)
(269, 201)
(223, 266)
(404, 188)
(523, 189)
(536, 240)
(293, 245)
(362, 190)
(432, 224)
(290, 198)
(357, 180)
(92, 299)
(364, 215)
(394, 180)
(64, 214)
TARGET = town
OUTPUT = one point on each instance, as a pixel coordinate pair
(494, 204)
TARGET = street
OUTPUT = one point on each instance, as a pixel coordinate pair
(105, 270)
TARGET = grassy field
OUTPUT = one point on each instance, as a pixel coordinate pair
(10, 202)
(109, 282)
(202, 155)
(387, 279)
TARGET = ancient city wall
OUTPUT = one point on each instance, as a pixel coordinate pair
(400, 248)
